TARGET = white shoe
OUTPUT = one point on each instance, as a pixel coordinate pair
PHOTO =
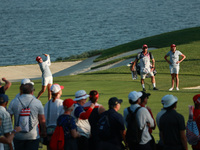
(171, 89)
(177, 88)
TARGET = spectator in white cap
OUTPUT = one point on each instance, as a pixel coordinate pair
(5, 87)
(53, 109)
(23, 82)
(143, 118)
(172, 126)
(81, 117)
(163, 110)
(47, 78)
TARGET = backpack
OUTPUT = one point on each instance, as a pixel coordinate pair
(103, 126)
(134, 133)
(57, 141)
(192, 132)
(24, 119)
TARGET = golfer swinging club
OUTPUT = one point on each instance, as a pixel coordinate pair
(47, 78)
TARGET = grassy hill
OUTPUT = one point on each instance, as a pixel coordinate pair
(117, 81)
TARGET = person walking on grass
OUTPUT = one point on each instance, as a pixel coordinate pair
(47, 78)
(174, 64)
(145, 66)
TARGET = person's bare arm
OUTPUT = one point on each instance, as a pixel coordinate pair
(7, 84)
(183, 57)
(123, 134)
(74, 133)
(134, 63)
(183, 139)
(42, 122)
(167, 59)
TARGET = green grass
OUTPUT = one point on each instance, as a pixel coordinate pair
(117, 81)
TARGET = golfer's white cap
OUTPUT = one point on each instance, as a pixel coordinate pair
(25, 81)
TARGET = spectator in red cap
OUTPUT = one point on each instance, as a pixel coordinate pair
(69, 125)
(53, 109)
(196, 117)
(174, 64)
(47, 78)
(145, 66)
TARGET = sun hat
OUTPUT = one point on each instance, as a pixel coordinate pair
(24, 81)
(3, 98)
(144, 46)
(173, 45)
(38, 58)
(134, 96)
(169, 100)
(196, 99)
(81, 94)
(68, 102)
(114, 101)
(55, 88)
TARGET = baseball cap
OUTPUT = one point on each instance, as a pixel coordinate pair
(24, 81)
(144, 95)
(3, 98)
(114, 101)
(38, 58)
(169, 100)
(134, 95)
(173, 45)
(81, 94)
(68, 102)
(196, 99)
(55, 88)
(144, 46)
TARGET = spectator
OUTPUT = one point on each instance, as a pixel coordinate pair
(172, 126)
(174, 64)
(53, 109)
(163, 110)
(196, 117)
(144, 99)
(29, 140)
(47, 78)
(6, 129)
(117, 129)
(81, 117)
(5, 87)
(9, 139)
(144, 120)
(94, 117)
(145, 66)
(23, 82)
(69, 125)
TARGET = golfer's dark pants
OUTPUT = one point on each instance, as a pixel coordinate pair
(26, 144)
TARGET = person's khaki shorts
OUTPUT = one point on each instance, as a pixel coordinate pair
(143, 75)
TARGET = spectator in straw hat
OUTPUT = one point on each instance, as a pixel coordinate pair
(47, 78)
(174, 64)
(196, 117)
(69, 125)
(53, 109)
(172, 126)
(81, 117)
